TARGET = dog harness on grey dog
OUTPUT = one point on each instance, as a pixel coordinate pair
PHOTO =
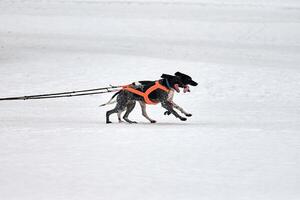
(146, 94)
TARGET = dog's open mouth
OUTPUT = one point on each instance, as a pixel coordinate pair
(186, 89)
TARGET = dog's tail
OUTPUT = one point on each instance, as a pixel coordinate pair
(111, 100)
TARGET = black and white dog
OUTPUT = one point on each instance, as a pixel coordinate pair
(126, 99)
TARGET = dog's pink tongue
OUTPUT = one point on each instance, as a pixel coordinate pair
(186, 89)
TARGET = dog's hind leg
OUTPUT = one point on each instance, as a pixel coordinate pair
(117, 110)
(122, 102)
(108, 113)
(144, 112)
(120, 107)
(119, 116)
(130, 107)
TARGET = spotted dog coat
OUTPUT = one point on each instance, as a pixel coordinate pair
(126, 100)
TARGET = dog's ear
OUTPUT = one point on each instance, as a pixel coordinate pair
(178, 74)
(167, 76)
(182, 75)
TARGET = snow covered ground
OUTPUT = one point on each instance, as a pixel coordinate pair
(242, 142)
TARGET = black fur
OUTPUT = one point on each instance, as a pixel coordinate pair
(185, 79)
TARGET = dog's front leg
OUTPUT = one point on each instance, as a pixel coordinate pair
(181, 109)
(170, 99)
(178, 108)
(167, 105)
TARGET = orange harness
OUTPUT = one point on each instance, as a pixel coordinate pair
(146, 94)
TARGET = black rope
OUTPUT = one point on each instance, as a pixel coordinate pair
(73, 95)
(65, 94)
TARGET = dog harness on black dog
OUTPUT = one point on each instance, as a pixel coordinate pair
(146, 94)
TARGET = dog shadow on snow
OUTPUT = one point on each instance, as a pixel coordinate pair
(155, 124)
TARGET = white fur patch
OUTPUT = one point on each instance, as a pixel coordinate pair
(137, 84)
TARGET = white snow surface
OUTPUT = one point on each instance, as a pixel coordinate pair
(242, 142)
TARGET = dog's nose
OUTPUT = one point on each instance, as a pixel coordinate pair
(193, 83)
(186, 89)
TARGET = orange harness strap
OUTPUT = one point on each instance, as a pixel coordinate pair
(146, 94)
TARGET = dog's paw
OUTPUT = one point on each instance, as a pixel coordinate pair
(108, 122)
(188, 115)
(153, 121)
(167, 113)
(183, 118)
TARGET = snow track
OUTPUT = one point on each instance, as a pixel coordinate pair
(241, 143)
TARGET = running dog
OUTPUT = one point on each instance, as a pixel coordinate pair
(151, 92)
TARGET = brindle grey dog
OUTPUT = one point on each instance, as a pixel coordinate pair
(127, 100)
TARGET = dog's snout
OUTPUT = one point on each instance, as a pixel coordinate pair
(193, 83)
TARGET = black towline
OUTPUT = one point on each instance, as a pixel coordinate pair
(66, 94)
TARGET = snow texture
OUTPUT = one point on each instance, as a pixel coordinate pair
(242, 142)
